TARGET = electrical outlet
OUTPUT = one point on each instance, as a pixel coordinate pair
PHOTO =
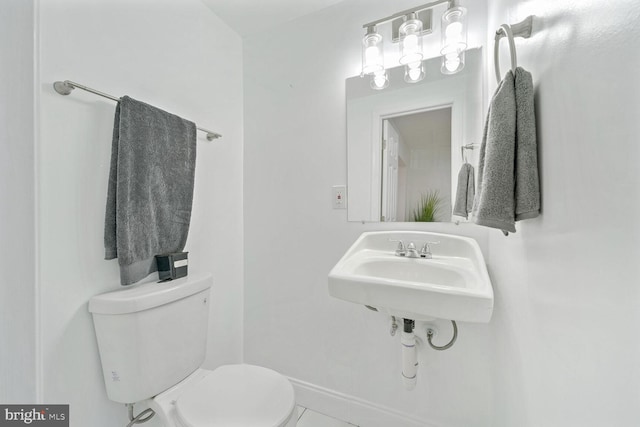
(339, 196)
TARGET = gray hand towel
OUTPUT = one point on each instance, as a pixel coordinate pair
(465, 191)
(150, 187)
(527, 192)
(494, 204)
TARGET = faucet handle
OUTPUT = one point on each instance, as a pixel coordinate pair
(400, 250)
(425, 252)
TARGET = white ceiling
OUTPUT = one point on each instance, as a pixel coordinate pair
(250, 16)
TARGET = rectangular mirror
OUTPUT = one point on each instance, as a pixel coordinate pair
(404, 143)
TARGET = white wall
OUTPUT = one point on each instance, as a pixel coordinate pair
(17, 206)
(295, 150)
(565, 328)
(562, 348)
(180, 57)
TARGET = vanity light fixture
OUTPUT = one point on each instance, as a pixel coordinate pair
(415, 23)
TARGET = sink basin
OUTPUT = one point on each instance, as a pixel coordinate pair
(453, 285)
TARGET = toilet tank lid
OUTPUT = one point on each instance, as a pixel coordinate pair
(149, 295)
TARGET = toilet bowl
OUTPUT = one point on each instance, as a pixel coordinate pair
(152, 341)
(229, 396)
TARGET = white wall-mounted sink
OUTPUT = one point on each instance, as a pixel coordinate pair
(453, 285)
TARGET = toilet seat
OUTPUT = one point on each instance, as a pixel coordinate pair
(237, 396)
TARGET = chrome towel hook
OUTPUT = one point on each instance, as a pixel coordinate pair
(521, 29)
(463, 153)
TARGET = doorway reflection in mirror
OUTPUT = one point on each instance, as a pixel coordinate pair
(416, 166)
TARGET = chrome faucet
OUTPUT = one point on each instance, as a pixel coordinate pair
(409, 251)
(425, 252)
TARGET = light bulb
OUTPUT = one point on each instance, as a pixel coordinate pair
(371, 54)
(454, 30)
(452, 63)
(411, 43)
(413, 72)
(380, 80)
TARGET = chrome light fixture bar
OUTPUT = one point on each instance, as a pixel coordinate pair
(408, 28)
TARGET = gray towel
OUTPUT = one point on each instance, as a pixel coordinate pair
(465, 191)
(508, 183)
(527, 181)
(150, 187)
(494, 204)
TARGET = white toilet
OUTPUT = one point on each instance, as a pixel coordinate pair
(152, 340)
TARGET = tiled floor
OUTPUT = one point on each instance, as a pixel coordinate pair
(309, 418)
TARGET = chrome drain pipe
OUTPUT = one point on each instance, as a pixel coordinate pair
(409, 355)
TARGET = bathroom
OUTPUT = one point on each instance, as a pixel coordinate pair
(561, 348)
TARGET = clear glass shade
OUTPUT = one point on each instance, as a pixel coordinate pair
(372, 52)
(410, 33)
(454, 39)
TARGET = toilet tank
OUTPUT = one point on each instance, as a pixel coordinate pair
(151, 336)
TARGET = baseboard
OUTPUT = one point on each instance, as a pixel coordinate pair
(350, 408)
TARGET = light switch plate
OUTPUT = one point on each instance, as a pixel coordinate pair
(339, 193)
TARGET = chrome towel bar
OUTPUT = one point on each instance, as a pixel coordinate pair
(65, 88)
